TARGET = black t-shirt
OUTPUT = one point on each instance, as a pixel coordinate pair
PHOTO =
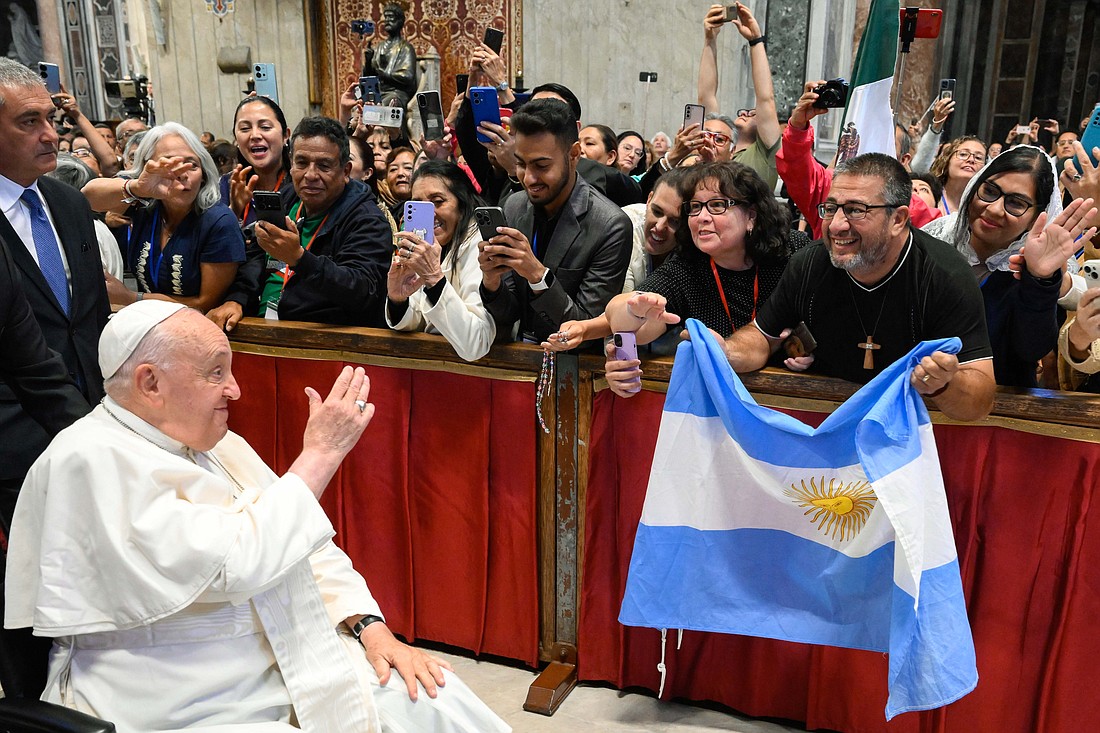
(931, 294)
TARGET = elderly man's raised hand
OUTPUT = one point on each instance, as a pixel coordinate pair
(333, 428)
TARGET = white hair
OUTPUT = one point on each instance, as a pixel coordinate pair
(209, 195)
(155, 348)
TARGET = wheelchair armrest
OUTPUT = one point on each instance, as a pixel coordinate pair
(36, 716)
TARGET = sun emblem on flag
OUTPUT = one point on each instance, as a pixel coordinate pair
(839, 509)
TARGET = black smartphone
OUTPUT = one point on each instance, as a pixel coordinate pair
(800, 343)
(370, 91)
(462, 83)
(488, 219)
(431, 114)
(494, 39)
(947, 88)
(269, 208)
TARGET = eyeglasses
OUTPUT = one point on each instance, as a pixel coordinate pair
(745, 112)
(1014, 203)
(82, 152)
(716, 207)
(852, 211)
(966, 155)
(717, 137)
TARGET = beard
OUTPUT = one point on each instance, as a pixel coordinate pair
(872, 253)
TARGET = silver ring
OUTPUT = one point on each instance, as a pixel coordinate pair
(925, 378)
(1077, 177)
(362, 405)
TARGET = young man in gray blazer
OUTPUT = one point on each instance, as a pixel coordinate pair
(565, 250)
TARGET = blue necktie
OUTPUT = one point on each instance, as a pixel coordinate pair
(49, 254)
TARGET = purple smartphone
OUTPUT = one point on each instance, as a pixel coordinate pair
(420, 219)
(626, 346)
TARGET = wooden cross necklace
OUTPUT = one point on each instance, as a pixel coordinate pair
(869, 346)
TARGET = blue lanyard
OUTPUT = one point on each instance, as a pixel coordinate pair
(535, 245)
(154, 247)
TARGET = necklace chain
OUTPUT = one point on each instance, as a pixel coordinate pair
(189, 454)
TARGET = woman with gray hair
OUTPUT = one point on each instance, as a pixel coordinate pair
(184, 245)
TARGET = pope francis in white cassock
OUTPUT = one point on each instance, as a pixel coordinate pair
(184, 584)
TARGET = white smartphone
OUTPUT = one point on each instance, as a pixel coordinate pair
(1091, 272)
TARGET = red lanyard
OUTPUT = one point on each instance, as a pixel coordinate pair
(722, 293)
(286, 272)
(247, 206)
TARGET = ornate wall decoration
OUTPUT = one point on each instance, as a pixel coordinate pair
(450, 27)
(220, 8)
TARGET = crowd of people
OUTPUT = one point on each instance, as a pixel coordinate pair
(603, 232)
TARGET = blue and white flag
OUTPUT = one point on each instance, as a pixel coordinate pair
(756, 524)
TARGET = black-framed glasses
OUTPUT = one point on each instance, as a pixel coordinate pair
(967, 155)
(716, 207)
(746, 112)
(1014, 203)
(853, 211)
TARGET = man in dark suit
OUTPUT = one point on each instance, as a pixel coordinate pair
(47, 230)
(565, 252)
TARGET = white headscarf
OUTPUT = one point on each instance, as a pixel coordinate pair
(955, 228)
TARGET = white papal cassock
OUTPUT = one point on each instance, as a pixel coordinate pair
(198, 591)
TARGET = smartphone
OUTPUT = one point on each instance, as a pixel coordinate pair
(266, 86)
(1090, 138)
(431, 114)
(486, 108)
(947, 88)
(268, 206)
(370, 91)
(494, 39)
(383, 116)
(462, 83)
(800, 342)
(694, 114)
(731, 13)
(626, 345)
(928, 22)
(1091, 272)
(488, 219)
(1022, 130)
(51, 77)
(420, 220)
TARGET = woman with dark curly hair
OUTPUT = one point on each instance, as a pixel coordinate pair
(734, 241)
(956, 164)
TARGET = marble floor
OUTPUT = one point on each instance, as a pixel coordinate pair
(594, 709)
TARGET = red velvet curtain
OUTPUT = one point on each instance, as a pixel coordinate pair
(435, 505)
(1020, 507)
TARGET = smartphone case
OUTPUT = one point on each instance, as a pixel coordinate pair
(486, 108)
(420, 219)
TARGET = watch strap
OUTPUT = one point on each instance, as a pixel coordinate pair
(361, 625)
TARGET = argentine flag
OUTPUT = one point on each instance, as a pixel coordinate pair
(757, 524)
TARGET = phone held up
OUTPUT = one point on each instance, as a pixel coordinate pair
(494, 39)
(626, 345)
(462, 83)
(431, 114)
(694, 114)
(420, 220)
(268, 206)
(1090, 138)
(265, 83)
(947, 88)
(488, 219)
(370, 90)
(483, 101)
(51, 77)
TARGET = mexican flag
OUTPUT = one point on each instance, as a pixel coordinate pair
(873, 78)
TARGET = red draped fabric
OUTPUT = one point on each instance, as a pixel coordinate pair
(1020, 506)
(435, 505)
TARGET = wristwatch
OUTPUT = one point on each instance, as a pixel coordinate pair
(502, 87)
(129, 197)
(362, 624)
(543, 283)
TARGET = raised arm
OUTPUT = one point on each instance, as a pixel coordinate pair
(708, 64)
(767, 119)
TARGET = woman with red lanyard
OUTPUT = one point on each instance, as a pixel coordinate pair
(263, 157)
(733, 242)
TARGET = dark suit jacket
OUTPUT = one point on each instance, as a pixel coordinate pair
(588, 255)
(75, 337)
